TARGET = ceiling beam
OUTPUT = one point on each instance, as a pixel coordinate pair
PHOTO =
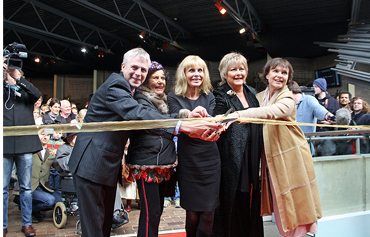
(253, 23)
(15, 25)
(75, 19)
(163, 17)
(125, 21)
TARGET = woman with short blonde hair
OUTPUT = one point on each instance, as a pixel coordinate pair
(230, 60)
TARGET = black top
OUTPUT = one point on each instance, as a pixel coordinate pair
(240, 152)
(18, 111)
(97, 156)
(199, 161)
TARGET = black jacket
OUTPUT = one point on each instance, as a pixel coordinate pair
(152, 148)
(235, 144)
(46, 119)
(18, 111)
(97, 156)
(331, 105)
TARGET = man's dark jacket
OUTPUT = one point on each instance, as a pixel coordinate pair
(96, 156)
(20, 114)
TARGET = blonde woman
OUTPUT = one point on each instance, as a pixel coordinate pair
(199, 161)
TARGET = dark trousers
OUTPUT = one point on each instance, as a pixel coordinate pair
(152, 199)
(95, 203)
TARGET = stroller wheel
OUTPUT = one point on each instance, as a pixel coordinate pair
(60, 215)
(78, 227)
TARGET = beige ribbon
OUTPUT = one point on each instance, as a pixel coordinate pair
(142, 124)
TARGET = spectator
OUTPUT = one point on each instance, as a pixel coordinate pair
(37, 116)
(96, 157)
(81, 115)
(325, 100)
(360, 110)
(345, 99)
(44, 109)
(53, 116)
(74, 111)
(38, 105)
(128, 189)
(19, 97)
(308, 109)
(54, 143)
(360, 115)
(43, 196)
(65, 111)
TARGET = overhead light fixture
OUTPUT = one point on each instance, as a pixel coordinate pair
(83, 50)
(243, 30)
(37, 60)
(220, 8)
(101, 54)
(142, 34)
(52, 60)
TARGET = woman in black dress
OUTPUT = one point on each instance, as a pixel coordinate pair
(240, 151)
(199, 161)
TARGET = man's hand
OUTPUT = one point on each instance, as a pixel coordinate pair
(199, 112)
(12, 74)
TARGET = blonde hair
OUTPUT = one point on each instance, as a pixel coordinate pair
(81, 114)
(229, 60)
(181, 83)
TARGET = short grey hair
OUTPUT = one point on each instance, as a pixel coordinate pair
(136, 52)
(64, 102)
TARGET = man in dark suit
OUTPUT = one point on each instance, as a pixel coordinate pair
(96, 157)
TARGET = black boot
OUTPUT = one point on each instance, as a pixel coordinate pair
(203, 234)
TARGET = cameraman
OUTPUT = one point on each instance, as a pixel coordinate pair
(19, 97)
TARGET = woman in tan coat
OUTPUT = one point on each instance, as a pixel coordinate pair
(289, 185)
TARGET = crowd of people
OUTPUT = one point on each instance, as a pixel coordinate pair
(229, 173)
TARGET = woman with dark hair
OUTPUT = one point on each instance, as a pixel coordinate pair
(53, 116)
(289, 184)
(151, 153)
(240, 152)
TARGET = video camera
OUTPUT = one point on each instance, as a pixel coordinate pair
(14, 53)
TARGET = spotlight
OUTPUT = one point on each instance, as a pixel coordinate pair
(83, 50)
(101, 54)
(52, 60)
(220, 8)
(243, 30)
(142, 34)
(37, 60)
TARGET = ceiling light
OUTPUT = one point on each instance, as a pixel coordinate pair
(83, 50)
(37, 60)
(220, 8)
(101, 54)
(142, 34)
(243, 30)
